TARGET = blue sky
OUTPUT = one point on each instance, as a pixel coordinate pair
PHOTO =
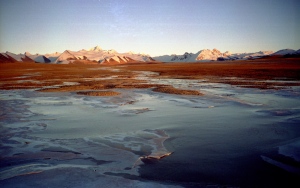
(155, 27)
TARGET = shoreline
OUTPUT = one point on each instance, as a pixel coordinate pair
(107, 136)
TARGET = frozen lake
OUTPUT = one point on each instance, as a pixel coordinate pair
(231, 136)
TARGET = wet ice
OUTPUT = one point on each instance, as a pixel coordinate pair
(100, 139)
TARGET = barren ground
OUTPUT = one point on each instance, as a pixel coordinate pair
(263, 74)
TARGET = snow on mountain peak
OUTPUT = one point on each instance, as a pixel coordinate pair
(65, 57)
(96, 48)
(227, 53)
(112, 51)
(96, 54)
(27, 54)
(284, 52)
(215, 51)
(211, 55)
(207, 54)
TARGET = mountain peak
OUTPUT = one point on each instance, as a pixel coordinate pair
(112, 51)
(208, 54)
(285, 52)
(96, 48)
(27, 53)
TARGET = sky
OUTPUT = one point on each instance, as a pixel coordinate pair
(154, 27)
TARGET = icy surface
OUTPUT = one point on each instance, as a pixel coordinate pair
(69, 140)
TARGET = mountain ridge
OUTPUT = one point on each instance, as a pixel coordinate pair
(213, 55)
(112, 57)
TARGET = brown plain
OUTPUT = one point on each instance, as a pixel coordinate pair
(269, 73)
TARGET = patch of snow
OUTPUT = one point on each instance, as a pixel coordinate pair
(27, 54)
(210, 55)
(96, 48)
(284, 52)
(4, 54)
(15, 56)
(116, 58)
(64, 57)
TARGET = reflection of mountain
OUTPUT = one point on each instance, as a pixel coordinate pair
(112, 57)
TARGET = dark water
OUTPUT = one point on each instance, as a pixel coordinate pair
(231, 137)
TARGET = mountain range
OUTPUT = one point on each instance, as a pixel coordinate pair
(216, 55)
(99, 56)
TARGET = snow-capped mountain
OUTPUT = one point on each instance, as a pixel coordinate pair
(9, 57)
(95, 54)
(253, 55)
(38, 58)
(286, 52)
(98, 55)
(96, 48)
(64, 58)
(14, 56)
(211, 55)
(112, 56)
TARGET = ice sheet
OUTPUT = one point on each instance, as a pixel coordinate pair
(228, 132)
